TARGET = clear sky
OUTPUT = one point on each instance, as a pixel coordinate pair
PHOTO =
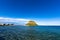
(31, 9)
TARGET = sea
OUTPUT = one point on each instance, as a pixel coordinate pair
(30, 33)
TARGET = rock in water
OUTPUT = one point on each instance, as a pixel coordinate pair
(31, 23)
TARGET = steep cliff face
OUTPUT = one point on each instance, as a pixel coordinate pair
(31, 23)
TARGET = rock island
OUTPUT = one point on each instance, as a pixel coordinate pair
(31, 23)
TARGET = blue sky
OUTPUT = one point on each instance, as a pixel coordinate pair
(43, 10)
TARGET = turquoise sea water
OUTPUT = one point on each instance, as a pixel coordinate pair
(29, 33)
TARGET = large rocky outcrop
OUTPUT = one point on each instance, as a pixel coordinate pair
(31, 23)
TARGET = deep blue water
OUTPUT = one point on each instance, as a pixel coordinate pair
(29, 33)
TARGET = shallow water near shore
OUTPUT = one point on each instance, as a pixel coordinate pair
(29, 33)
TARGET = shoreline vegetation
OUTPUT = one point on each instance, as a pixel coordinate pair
(6, 24)
(30, 23)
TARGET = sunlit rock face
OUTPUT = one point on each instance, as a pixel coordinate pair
(31, 23)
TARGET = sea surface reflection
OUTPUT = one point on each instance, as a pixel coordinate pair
(29, 33)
